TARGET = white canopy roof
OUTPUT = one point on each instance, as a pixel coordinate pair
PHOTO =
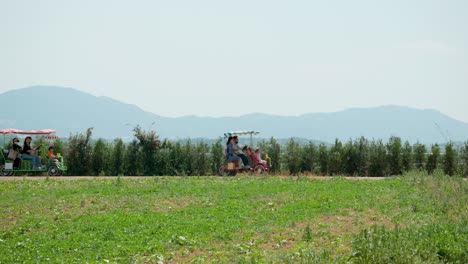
(240, 133)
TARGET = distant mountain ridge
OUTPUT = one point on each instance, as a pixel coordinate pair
(71, 111)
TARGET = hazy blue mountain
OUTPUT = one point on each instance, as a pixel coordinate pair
(70, 111)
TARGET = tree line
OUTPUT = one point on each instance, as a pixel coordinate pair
(147, 155)
(361, 157)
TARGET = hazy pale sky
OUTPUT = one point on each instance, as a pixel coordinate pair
(228, 58)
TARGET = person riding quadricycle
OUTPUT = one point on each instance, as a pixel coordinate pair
(29, 157)
(235, 154)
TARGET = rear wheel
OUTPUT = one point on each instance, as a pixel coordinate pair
(259, 169)
(232, 173)
(53, 171)
(3, 172)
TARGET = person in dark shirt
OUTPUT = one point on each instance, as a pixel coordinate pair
(16, 147)
(28, 153)
(241, 155)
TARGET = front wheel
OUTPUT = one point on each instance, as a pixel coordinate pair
(259, 169)
(53, 171)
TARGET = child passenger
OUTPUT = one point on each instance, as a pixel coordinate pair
(258, 157)
(52, 155)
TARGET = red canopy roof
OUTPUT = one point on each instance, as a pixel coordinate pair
(24, 132)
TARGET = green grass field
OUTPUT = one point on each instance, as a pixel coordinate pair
(410, 219)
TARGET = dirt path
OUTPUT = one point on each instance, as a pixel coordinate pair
(38, 178)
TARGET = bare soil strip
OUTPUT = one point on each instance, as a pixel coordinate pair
(38, 178)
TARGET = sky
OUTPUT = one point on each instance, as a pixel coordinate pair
(230, 58)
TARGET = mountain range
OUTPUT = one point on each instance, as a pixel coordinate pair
(70, 111)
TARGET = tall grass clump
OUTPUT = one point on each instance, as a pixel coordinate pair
(442, 239)
(435, 243)
(449, 195)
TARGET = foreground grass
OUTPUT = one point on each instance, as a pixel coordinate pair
(415, 218)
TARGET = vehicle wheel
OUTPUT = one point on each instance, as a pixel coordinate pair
(259, 169)
(2, 171)
(222, 170)
(53, 171)
(60, 173)
(232, 173)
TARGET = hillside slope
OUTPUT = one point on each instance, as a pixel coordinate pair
(70, 111)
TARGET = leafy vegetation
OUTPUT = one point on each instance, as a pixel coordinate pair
(409, 219)
(79, 153)
(147, 155)
(433, 159)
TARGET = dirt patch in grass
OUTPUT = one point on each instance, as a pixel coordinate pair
(327, 231)
(351, 223)
(280, 241)
(7, 223)
(166, 206)
(190, 256)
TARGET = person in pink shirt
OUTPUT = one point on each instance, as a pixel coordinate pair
(254, 156)
(257, 156)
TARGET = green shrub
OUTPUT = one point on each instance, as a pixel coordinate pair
(362, 156)
(78, 155)
(407, 157)
(378, 159)
(117, 157)
(349, 154)
(394, 156)
(433, 159)
(419, 156)
(323, 159)
(309, 158)
(202, 161)
(450, 160)
(293, 157)
(132, 159)
(100, 157)
(464, 157)
(217, 156)
(335, 165)
(148, 148)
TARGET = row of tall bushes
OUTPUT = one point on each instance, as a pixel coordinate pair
(361, 157)
(146, 154)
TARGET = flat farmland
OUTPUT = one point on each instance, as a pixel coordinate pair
(414, 218)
